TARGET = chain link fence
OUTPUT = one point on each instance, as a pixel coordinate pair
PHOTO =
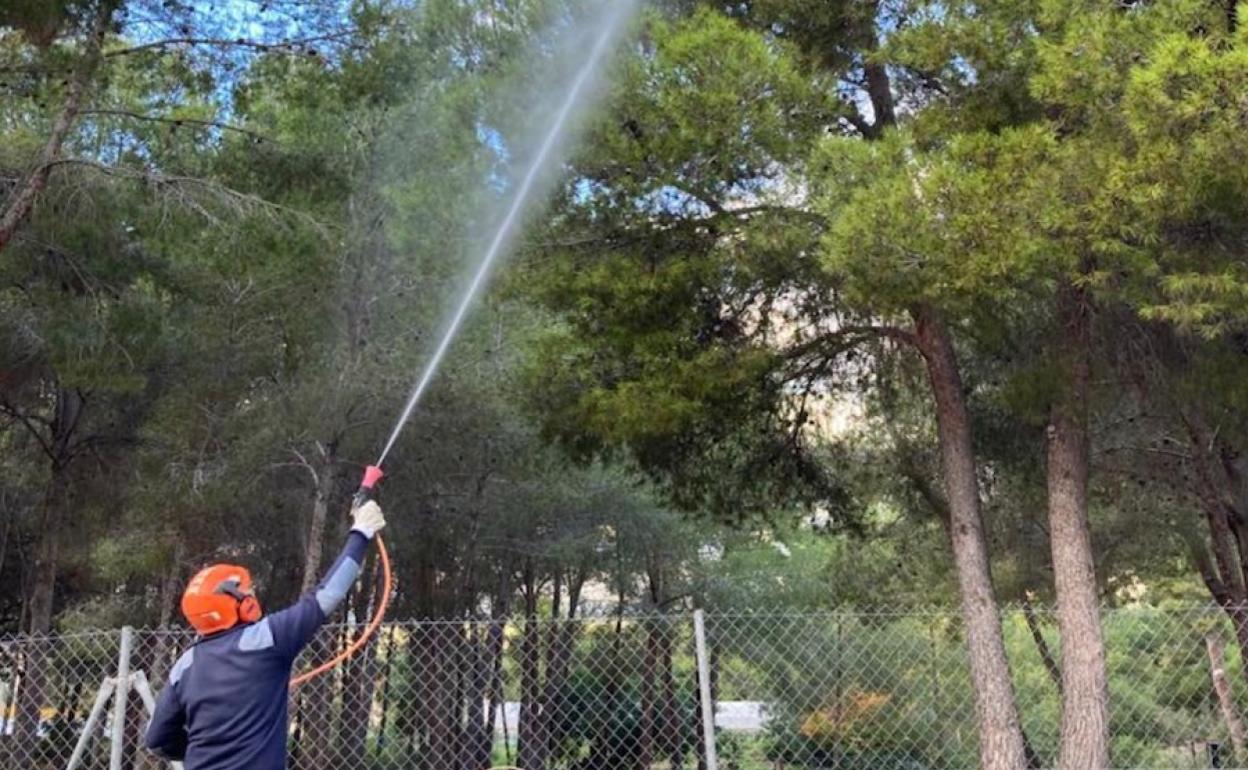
(844, 691)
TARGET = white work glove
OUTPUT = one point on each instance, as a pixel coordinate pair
(367, 519)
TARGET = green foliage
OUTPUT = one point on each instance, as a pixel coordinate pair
(667, 288)
(242, 280)
(951, 228)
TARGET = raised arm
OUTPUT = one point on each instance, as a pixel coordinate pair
(294, 627)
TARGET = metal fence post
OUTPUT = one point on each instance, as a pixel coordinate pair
(93, 721)
(704, 689)
(116, 750)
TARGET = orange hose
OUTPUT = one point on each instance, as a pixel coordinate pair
(369, 631)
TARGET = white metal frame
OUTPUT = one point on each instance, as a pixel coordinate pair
(110, 690)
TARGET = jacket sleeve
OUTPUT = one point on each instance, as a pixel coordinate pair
(295, 626)
(166, 733)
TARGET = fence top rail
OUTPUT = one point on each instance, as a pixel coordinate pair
(95, 634)
(598, 618)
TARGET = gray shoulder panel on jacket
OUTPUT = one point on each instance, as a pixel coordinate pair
(257, 637)
(179, 668)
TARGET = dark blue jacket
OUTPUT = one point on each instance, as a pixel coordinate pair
(224, 707)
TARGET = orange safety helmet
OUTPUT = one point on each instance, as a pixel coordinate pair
(220, 597)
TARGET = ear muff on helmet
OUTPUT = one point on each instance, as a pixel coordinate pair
(220, 597)
(249, 609)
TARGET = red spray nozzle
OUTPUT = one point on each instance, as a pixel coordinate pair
(368, 487)
(372, 475)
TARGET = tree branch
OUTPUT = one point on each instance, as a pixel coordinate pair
(28, 421)
(884, 330)
(931, 496)
(180, 122)
(746, 211)
(1147, 450)
(217, 42)
(1042, 645)
(241, 200)
(97, 440)
(858, 123)
(821, 342)
(23, 200)
(1217, 588)
(303, 463)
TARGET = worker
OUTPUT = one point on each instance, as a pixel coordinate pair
(225, 705)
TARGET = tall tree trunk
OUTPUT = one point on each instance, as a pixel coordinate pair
(22, 201)
(671, 727)
(562, 640)
(879, 86)
(500, 608)
(460, 683)
(1085, 687)
(444, 724)
(1000, 736)
(649, 697)
(528, 753)
(544, 716)
(359, 701)
(315, 697)
(68, 411)
(359, 677)
(1226, 576)
(477, 733)
(1222, 688)
(422, 652)
(314, 710)
(47, 554)
(69, 408)
(322, 496)
(1215, 484)
(879, 90)
(387, 676)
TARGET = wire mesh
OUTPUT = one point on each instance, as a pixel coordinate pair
(844, 691)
